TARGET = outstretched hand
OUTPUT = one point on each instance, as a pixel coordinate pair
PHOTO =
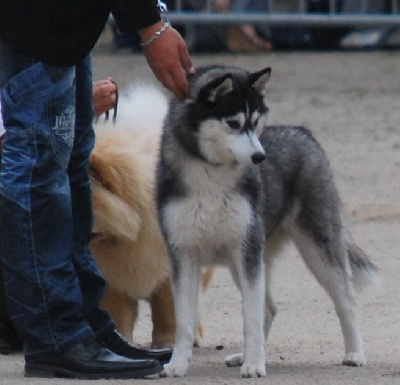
(169, 59)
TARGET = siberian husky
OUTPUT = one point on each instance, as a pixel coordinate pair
(229, 190)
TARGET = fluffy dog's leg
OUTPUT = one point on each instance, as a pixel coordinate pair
(186, 278)
(252, 288)
(123, 311)
(331, 268)
(205, 281)
(163, 316)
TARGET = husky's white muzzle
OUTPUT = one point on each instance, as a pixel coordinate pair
(247, 148)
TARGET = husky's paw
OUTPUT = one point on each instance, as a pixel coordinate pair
(174, 370)
(354, 359)
(253, 370)
(234, 360)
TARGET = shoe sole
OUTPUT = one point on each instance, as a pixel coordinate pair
(47, 371)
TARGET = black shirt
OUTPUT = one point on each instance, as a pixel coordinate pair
(63, 32)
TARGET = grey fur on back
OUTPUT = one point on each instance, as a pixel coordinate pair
(297, 177)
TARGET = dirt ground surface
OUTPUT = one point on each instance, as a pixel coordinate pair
(351, 102)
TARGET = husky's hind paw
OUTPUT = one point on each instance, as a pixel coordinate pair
(253, 370)
(234, 360)
(354, 359)
(172, 370)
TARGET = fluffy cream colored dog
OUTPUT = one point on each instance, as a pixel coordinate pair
(127, 243)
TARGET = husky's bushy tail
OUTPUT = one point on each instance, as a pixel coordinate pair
(365, 274)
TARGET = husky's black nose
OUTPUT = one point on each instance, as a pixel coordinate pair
(257, 157)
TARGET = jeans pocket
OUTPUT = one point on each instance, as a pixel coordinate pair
(18, 153)
(18, 134)
(61, 121)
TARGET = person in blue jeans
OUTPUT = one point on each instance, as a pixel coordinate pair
(104, 99)
(52, 284)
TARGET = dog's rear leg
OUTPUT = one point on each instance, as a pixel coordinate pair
(270, 308)
(330, 267)
(186, 279)
(163, 315)
(252, 287)
(274, 245)
(123, 311)
(207, 275)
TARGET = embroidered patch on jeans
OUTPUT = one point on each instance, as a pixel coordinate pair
(63, 124)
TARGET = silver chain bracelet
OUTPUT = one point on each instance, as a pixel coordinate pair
(163, 13)
(146, 43)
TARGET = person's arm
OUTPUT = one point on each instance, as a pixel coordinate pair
(168, 57)
(132, 15)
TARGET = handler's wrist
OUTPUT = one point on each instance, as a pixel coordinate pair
(151, 34)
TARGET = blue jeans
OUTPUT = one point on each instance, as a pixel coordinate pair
(52, 284)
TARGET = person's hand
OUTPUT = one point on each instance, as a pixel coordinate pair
(104, 96)
(168, 58)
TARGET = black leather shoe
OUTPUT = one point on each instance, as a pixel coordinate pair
(9, 339)
(116, 343)
(90, 360)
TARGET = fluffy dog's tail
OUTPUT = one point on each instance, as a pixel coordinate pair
(141, 112)
(122, 164)
(365, 273)
(145, 104)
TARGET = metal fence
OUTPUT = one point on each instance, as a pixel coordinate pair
(292, 13)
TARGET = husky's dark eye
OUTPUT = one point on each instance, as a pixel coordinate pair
(234, 124)
(255, 122)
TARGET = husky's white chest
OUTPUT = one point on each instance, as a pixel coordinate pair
(213, 217)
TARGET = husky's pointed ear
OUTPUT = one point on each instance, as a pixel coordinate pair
(217, 88)
(259, 79)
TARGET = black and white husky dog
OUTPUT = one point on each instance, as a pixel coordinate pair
(229, 190)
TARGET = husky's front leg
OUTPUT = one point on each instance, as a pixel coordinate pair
(251, 282)
(253, 320)
(186, 276)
